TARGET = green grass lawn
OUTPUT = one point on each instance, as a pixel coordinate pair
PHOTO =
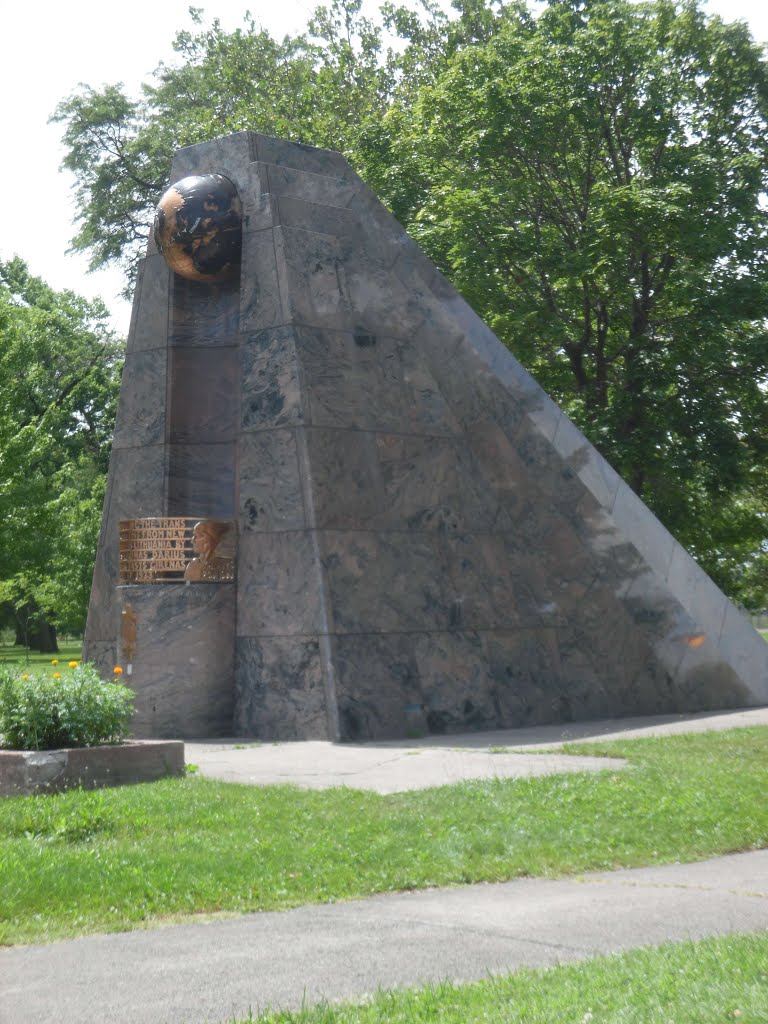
(130, 857)
(710, 982)
(27, 660)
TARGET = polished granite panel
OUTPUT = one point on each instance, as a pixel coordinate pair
(325, 220)
(149, 320)
(283, 153)
(310, 187)
(279, 587)
(204, 314)
(141, 409)
(261, 303)
(370, 382)
(201, 480)
(183, 665)
(204, 391)
(270, 387)
(279, 691)
(135, 490)
(271, 495)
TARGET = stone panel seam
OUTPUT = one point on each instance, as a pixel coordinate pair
(285, 310)
(386, 531)
(456, 437)
(479, 631)
(411, 338)
(328, 666)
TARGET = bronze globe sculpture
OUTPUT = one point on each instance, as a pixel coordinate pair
(198, 228)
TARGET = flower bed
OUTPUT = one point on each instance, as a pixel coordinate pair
(73, 728)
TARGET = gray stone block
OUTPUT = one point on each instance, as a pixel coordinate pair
(270, 489)
(279, 689)
(271, 392)
(204, 392)
(261, 303)
(183, 666)
(279, 591)
(325, 220)
(310, 187)
(304, 158)
(149, 322)
(201, 480)
(140, 414)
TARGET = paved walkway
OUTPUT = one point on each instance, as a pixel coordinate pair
(208, 973)
(397, 765)
(196, 974)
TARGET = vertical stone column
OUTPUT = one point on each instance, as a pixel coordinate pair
(136, 485)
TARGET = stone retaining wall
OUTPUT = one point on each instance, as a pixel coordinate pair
(26, 772)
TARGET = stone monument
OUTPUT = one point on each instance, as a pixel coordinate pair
(339, 508)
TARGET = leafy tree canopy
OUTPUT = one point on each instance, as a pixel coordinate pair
(591, 178)
(59, 378)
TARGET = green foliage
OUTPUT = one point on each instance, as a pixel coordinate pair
(59, 378)
(317, 88)
(593, 185)
(41, 712)
(245, 848)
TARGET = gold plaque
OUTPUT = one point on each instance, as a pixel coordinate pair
(184, 549)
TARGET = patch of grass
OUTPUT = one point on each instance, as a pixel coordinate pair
(26, 659)
(709, 982)
(193, 845)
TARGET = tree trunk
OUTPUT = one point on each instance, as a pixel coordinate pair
(34, 631)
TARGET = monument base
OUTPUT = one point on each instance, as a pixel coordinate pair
(182, 668)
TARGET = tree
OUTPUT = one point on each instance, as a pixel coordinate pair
(59, 378)
(596, 183)
(319, 90)
(591, 179)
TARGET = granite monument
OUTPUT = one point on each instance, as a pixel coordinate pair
(339, 508)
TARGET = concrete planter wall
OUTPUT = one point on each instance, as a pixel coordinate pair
(27, 772)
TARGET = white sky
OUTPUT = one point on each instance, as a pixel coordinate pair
(50, 46)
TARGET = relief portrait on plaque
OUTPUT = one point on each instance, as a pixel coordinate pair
(208, 566)
(179, 549)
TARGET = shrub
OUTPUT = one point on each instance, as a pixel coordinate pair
(78, 709)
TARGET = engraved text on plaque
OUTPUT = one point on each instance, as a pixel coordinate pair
(182, 549)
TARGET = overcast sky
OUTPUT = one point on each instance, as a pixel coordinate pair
(51, 46)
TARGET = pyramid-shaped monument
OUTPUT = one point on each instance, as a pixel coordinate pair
(339, 508)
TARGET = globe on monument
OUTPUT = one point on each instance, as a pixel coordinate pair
(198, 227)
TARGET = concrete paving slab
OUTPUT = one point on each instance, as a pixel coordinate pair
(399, 765)
(212, 972)
(321, 765)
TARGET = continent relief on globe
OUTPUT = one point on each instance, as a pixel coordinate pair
(198, 227)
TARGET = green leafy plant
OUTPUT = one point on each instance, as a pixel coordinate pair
(74, 708)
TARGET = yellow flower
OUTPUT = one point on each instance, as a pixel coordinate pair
(57, 675)
(25, 676)
(54, 661)
(73, 664)
(117, 670)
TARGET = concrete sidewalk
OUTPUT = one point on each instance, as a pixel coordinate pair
(397, 765)
(203, 973)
